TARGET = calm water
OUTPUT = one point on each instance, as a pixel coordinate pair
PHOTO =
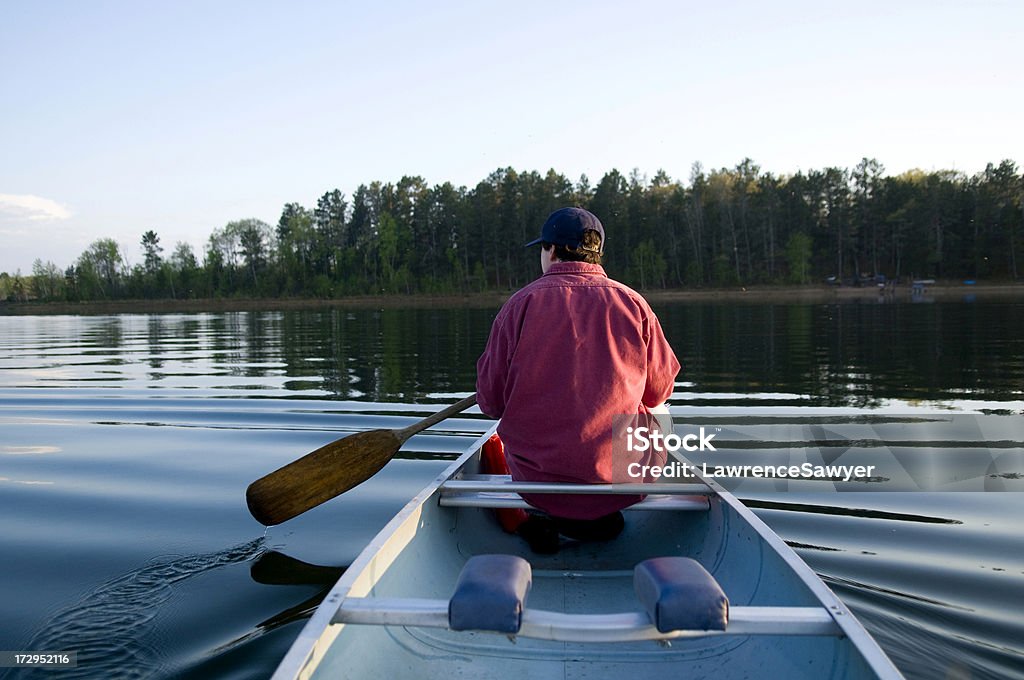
(126, 444)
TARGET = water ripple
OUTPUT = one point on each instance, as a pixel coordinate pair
(110, 626)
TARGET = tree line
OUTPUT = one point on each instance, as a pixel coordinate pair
(725, 227)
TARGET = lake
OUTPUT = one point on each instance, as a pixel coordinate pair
(127, 442)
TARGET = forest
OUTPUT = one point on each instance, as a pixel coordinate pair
(719, 228)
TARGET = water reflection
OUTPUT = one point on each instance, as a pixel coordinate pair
(110, 627)
(150, 427)
(278, 569)
(853, 354)
(859, 355)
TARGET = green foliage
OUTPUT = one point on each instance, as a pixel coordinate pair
(47, 280)
(722, 271)
(649, 265)
(322, 287)
(151, 248)
(100, 270)
(798, 257)
(723, 227)
(17, 288)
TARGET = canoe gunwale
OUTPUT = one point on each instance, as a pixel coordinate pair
(882, 666)
(317, 635)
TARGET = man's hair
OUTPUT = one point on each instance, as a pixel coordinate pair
(589, 250)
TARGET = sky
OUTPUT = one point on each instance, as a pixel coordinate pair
(120, 117)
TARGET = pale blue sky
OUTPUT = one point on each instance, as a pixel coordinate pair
(118, 117)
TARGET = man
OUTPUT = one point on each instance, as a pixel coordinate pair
(566, 355)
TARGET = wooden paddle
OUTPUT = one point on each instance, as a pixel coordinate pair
(332, 469)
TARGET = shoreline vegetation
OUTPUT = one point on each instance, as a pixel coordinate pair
(723, 229)
(945, 291)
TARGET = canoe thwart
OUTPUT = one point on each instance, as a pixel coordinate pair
(505, 483)
(490, 594)
(493, 499)
(618, 627)
(680, 597)
(679, 594)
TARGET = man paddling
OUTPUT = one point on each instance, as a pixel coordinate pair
(566, 356)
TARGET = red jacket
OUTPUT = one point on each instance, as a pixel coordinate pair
(565, 355)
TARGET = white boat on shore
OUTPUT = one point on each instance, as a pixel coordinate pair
(696, 586)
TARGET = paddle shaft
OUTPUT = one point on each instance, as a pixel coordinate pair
(457, 407)
(332, 469)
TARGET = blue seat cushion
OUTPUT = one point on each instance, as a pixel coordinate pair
(679, 594)
(490, 594)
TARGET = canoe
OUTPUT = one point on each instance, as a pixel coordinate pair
(442, 592)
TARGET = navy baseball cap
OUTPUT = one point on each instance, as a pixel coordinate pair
(565, 227)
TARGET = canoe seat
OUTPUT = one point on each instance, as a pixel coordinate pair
(490, 594)
(679, 594)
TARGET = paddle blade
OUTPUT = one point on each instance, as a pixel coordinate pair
(320, 476)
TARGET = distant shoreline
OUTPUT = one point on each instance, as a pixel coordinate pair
(940, 291)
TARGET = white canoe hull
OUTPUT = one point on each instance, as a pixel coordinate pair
(799, 629)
